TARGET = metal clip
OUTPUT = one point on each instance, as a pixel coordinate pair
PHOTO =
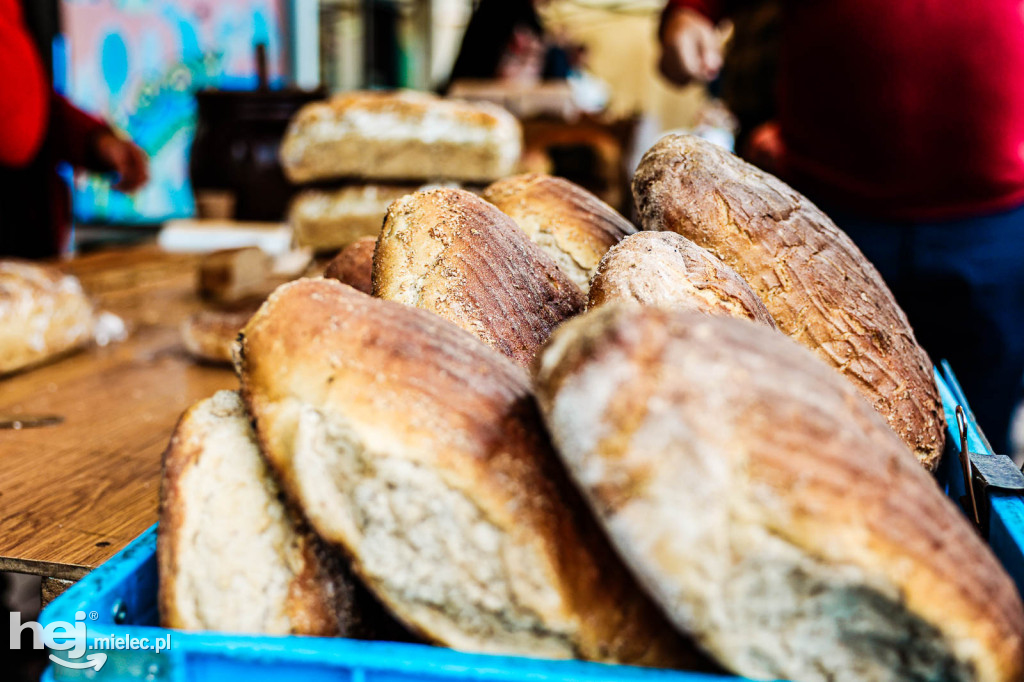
(984, 474)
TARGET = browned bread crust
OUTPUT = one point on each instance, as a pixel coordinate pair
(572, 225)
(231, 555)
(43, 314)
(768, 508)
(420, 451)
(354, 265)
(812, 278)
(452, 253)
(666, 269)
(209, 335)
(401, 136)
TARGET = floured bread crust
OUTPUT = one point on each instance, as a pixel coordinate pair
(768, 508)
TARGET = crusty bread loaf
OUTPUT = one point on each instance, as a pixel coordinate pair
(768, 508)
(812, 278)
(354, 265)
(209, 335)
(666, 269)
(454, 254)
(400, 136)
(420, 451)
(328, 220)
(43, 314)
(232, 557)
(572, 225)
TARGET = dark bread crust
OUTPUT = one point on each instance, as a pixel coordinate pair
(354, 265)
(459, 409)
(667, 269)
(452, 253)
(572, 225)
(812, 278)
(783, 450)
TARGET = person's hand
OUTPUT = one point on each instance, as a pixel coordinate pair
(690, 48)
(124, 158)
(765, 147)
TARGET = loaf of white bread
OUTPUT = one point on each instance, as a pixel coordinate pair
(768, 509)
(393, 136)
(419, 450)
(43, 314)
(232, 556)
(327, 220)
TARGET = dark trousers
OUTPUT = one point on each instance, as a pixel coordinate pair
(961, 283)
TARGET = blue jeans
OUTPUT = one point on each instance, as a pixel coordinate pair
(961, 283)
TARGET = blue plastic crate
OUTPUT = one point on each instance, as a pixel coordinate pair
(119, 599)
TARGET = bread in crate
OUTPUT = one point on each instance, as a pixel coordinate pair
(354, 265)
(419, 450)
(666, 269)
(232, 556)
(768, 508)
(813, 279)
(571, 225)
(43, 314)
(452, 253)
(400, 136)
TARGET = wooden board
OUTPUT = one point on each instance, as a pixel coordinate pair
(74, 494)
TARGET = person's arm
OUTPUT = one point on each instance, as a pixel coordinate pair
(87, 142)
(23, 90)
(690, 47)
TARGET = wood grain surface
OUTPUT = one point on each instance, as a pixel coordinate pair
(74, 494)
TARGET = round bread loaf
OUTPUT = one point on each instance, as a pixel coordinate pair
(232, 557)
(572, 225)
(354, 265)
(814, 281)
(419, 450)
(666, 269)
(452, 253)
(768, 508)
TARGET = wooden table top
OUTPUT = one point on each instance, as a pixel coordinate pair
(74, 494)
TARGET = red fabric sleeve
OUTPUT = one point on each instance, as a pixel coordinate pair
(73, 134)
(23, 90)
(712, 9)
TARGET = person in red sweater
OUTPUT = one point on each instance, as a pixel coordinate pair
(904, 121)
(38, 128)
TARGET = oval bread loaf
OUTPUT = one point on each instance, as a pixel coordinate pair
(572, 225)
(43, 314)
(768, 508)
(812, 278)
(420, 451)
(666, 269)
(354, 265)
(452, 253)
(401, 136)
(232, 557)
(209, 335)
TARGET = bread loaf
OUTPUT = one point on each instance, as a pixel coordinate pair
(328, 220)
(666, 269)
(419, 450)
(209, 335)
(454, 254)
(768, 508)
(400, 136)
(354, 265)
(232, 557)
(43, 314)
(812, 278)
(572, 225)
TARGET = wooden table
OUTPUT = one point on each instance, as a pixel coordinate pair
(74, 494)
